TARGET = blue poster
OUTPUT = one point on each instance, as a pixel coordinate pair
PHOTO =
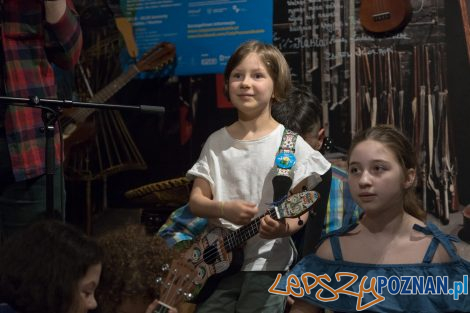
(205, 33)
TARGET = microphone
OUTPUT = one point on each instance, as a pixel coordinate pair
(281, 186)
(152, 109)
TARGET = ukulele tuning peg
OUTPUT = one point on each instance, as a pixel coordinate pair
(188, 296)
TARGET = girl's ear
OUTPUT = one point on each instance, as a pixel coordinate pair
(410, 178)
(321, 138)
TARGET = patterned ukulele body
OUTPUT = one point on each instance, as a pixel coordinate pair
(218, 252)
(212, 261)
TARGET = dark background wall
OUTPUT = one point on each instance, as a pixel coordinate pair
(459, 93)
(190, 102)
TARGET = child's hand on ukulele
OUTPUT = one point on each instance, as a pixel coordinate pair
(271, 228)
(239, 212)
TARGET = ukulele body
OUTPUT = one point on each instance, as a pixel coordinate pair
(211, 261)
(218, 252)
(384, 17)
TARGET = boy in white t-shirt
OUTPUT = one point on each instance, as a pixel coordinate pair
(233, 178)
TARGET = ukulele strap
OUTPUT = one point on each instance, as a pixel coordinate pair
(285, 160)
(282, 181)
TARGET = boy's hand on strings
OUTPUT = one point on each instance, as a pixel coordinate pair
(239, 212)
(271, 228)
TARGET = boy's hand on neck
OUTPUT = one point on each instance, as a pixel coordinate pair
(271, 228)
(239, 212)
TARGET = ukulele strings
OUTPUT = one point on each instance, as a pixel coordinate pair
(167, 285)
(232, 240)
(234, 237)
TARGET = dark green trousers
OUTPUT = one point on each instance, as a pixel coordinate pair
(244, 292)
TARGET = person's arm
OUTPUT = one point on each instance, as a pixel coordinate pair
(63, 36)
(239, 212)
(55, 9)
(200, 200)
(271, 228)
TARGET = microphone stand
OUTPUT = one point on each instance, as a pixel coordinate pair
(51, 109)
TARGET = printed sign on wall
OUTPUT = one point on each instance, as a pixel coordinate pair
(205, 33)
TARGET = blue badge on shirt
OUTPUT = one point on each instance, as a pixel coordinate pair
(285, 160)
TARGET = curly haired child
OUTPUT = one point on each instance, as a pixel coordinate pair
(132, 262)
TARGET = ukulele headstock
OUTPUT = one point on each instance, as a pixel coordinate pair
(297, 204)
(178, 284)
(157, 57)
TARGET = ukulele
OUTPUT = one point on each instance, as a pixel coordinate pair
(74, 121)
(218, 252)
(384, 17)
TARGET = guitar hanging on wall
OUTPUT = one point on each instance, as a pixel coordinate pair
(385, 17)
(76, 128)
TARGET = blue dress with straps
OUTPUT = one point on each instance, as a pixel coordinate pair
(423, 287)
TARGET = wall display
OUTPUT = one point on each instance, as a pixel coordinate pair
(380, 17)
(364, 75)
(390, 67)
(205, 33)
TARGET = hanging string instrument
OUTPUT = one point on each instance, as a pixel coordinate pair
(75, 123)
(384, 17)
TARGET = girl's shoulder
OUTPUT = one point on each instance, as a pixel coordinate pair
(324, 250)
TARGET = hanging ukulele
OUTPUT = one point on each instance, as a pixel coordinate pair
(384, 17)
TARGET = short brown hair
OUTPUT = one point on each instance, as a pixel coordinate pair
(274, 61)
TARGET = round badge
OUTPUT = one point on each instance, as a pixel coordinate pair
(285, 160)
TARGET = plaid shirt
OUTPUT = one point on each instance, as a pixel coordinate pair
(181, 225)
(341, 208)
(29, 46)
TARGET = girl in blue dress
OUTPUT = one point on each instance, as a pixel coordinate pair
(390, 261)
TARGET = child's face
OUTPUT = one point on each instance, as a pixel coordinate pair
(250, 86)
(86, 288)
(376, 178)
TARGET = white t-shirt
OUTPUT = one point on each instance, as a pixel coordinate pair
(244, 169)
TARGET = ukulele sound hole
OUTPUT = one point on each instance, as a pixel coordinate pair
(210, 254)
(381, 16)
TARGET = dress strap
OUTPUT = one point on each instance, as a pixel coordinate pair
(334, 239)
(438, 238)
(431, 251)
(336, 248)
